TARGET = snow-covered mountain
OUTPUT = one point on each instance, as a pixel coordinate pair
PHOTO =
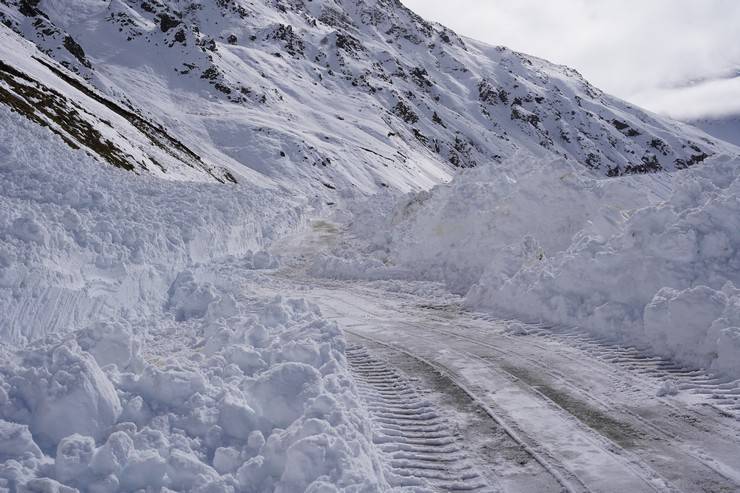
(334, 97)
(46, 93)
(726, 128)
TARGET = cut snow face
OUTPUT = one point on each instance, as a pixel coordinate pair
(339, 99)
(80, 242)
(665, 278)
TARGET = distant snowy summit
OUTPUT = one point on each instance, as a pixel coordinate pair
(334, 98)
(726, 127)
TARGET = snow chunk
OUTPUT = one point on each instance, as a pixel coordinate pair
(236, 418)
(668, 387)
(65, 392)
(284, 391)
(246, 358)
(111, 343)
(47, 485)
(112, 457)
(188, 299)
(171, 386)
(16, 442)
(145, 469)
(29, 229)
(677, 323)
(74, 454)
(252, 475)
(226, 460)
(309, 459)
(728, 353)
(185, 471)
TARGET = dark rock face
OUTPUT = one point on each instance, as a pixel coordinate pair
(76, 50)
(167, 22)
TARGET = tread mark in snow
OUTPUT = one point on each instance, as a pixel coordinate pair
(412, 434)
(722, 393)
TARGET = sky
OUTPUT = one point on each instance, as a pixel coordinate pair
(676, 57)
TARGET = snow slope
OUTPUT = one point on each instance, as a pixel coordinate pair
(726, 128)
(343, 98)
(46, 93)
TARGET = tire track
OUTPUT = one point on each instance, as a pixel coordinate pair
(415, 437)
(640, 467)
(721, 392)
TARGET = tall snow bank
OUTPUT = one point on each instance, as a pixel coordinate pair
(651, 260)
(254, 398)
(666, 278)
(80, 241)
(526, 209)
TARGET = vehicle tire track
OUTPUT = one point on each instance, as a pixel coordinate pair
(411, 432)
(564, 479)
(721, 393)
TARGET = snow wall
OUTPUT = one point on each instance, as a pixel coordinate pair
(651, 260)
(135, 353)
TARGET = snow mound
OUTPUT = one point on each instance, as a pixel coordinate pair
(665, 278)
(62, 390)
(137, 354)
(257, 402)
(453, 233)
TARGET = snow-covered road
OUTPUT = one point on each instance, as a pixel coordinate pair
(587, 412)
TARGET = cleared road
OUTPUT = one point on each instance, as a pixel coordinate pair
(585, 411)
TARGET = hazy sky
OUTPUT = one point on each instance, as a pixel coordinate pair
(665, 55)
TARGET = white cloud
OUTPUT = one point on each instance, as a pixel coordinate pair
(716, 98)
(631, 48)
